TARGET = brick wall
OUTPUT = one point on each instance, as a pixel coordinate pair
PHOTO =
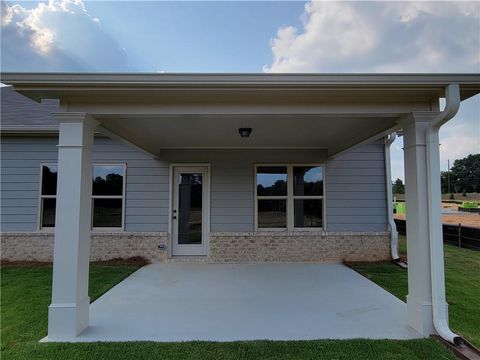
(299, 247)
(225, 247)
(38, 246)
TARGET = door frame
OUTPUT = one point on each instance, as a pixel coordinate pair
(206, 216)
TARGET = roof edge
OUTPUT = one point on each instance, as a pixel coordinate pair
(71, 79)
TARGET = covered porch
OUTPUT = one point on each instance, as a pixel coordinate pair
(231, 302)
(329, 114)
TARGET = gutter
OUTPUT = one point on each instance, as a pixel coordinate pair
(392, 227)
(439, 304)
(28, 129)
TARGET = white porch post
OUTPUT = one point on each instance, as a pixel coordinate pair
(68, 313)
(419, 299)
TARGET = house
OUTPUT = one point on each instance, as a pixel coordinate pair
(221, 168)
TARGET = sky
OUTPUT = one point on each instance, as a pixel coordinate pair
(252, 36)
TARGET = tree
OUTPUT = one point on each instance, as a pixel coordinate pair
(444, 182)
(465, 174)
(398, 187)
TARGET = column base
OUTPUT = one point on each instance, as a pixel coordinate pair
(66, 321)
(420, 316)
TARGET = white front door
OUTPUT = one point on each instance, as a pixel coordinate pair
(190, 210)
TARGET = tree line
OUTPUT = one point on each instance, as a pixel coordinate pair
(464, 177)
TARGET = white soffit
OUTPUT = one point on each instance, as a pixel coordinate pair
(160, 111)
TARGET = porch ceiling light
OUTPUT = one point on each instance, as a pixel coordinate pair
(245, 132)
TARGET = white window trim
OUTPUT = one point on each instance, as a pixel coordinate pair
(105, 229)
(290, 197)
(122, 227)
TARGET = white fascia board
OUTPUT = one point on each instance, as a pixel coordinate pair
(127, 80)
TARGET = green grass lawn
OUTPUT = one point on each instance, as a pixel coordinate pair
(26, 294)
(462, 281)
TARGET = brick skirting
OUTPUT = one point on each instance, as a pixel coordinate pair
(225, 247)
(334, 247)
(38, 246)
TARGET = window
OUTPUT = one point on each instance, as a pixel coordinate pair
(108, 193)
(308, 196)
(48, 192)
(272, 196)
(107, 196)
(289, 197)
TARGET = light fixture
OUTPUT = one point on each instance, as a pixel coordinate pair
(245, 132)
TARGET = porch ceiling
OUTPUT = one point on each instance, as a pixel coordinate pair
(331, 111)
(335, 132)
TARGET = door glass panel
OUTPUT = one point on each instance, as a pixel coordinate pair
(190, 209)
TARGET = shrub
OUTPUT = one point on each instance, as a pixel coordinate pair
(452, 197)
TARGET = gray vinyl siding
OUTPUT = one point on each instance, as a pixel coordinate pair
(146, 201)
(232, 180)
(20, 170)
(356, 197)
(355, 184)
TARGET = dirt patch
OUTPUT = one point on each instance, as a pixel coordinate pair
(136, 260)
(25, 263)
(466, 219)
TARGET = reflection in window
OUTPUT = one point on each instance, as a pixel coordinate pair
(107, 212)
(308, 213)
(107, 180)
(48, 212)
(272, 213)
(308, 196)
(271, 181)
(107, 190)
(49, 179)
(190, 209)
(307, 180)
(48, 195)
(282, 205)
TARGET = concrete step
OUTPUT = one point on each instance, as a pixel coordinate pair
(187, 259)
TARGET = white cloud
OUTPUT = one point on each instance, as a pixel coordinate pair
(380, 37)
(57, 36)
(326, 38)
(461, 135)
(387, 36)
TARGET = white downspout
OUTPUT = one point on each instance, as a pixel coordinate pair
(439, 304)
(391, 223)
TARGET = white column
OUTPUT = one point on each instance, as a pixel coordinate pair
(419, 299)
(68, 314)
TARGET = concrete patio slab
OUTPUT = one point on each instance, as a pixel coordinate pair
(227, 302)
